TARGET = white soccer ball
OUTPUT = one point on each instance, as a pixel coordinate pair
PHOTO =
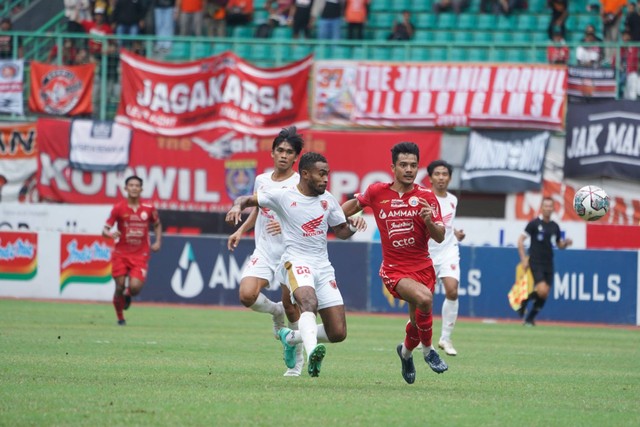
(591, 203)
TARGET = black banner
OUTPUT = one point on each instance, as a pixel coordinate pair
(586, 84)
(603, 140)
(504, 161)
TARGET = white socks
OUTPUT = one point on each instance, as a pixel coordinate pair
(308, 331)
(264, 305)
(449, 317)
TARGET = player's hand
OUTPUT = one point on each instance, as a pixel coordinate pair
(155, 247)
(358, 222)
(525, 264)
(233, 240)
(426, 212)
(568, 242)
(234, 216)
(273, 227)
(115, 235)
(460, 235)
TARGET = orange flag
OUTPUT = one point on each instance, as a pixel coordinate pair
(61, 90)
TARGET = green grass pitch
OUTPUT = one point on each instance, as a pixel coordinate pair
(69, 364)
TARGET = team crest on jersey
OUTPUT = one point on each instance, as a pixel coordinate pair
(144, 216)
(239, 177)
(60, 91)
(324, 204)
(413, 201)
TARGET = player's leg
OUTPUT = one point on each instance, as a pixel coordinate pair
(258, 275)
(541, 292)
(138, 267)
(449, 314)
(293, 315)
(119, 272)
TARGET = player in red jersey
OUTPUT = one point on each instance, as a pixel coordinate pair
(407, 216)
(131, 254)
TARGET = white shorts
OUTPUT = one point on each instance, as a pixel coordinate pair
(448, 268)
(323, 279)
(262, 267)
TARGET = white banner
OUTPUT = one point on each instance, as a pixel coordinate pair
(99, 146)
(53, 217)
(11, 86)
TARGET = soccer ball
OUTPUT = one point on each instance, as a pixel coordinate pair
(591, 203)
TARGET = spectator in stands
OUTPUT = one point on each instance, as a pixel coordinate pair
(215, 18)
(98, 27)
(590, 56)
(402, 28)
(632, 22)
(239, 12)
(163, 23)
(300, 18)
(68, 55)
(611, 14)
(6, 41)
(76, 11)
(329, 16)
(629, 68)
(128, 17)
(456, 6)
(558, 52)
(278, 11)
(190, 16)
(355, 14)
(559, 15)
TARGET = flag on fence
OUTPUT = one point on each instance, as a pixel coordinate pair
(61, 90)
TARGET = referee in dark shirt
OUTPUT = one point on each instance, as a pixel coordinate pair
(542, 231)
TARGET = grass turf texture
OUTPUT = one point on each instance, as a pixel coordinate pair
(70, 364)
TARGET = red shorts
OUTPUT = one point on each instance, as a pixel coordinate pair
(391, 277)
(132, 265)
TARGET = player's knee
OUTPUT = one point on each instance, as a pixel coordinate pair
(425, 301)
(292, 312)
(338, 335)
(452, 294)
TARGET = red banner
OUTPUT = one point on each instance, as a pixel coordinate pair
(439, 95)
(61, 90)
(221, 91)
(207, 171)
(18, 255)
(18, 161)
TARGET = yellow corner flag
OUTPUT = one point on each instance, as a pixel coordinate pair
(521, 288)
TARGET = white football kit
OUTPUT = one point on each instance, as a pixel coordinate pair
(446, 255)
(305, 221)
(269, 248)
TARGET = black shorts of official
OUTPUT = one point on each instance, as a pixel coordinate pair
(542, 273)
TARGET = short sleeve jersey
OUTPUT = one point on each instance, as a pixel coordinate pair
(403, 233)
(269, 245)
(133, 226)
(449, 247)
(542, 235)
(305, 221)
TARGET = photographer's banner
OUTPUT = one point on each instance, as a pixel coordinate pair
(221, 91)
(61, 90)
(18, 161)
(209, 170)
(603, 140)
(504, 161)
(11, 86)
(391, 94)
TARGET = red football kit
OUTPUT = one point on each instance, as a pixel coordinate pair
(131, 253)
(403, 233)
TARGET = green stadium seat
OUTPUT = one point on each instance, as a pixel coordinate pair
(419, 6)
(381, 5)
(341, 52)
(426, 21)
(538, 6)
(539, 56)
(496, 55)
(179, 50)
(477, 55)
(502, 36)
(423, 35)
(507, 23)
(242, 50)
(486, 22)
(520, 37)
(281, 52)
(466, 21)
(458, 54)
(358, 52)
(442, 36)
(242, 32)
(400, 5)
(380, 54)
(540, 37)
(419, 54)
(542, 22)
(527, 22)
(482, 37)
(516, 55)
(220, 47)
(462, 36)
(438, 54)
(446, 21)
(381, 20)
(299, 51)
(201, 50)
(282, 33)
(400, 55)
(381, 34)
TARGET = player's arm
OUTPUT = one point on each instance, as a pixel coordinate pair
(351, 207)
(564, 243)
(234, 239)
(157, 230)
(347, 229)
(106, 233)
(234, 216)
(460, 234)
(523, 255)
(436, 229)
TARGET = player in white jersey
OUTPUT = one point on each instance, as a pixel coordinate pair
(446, 255)
(306, 212)
(259, 271)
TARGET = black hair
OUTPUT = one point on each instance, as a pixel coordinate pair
(291, 136)
(308, 160)
(404, 148)
(433, 165)
(126, 181)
